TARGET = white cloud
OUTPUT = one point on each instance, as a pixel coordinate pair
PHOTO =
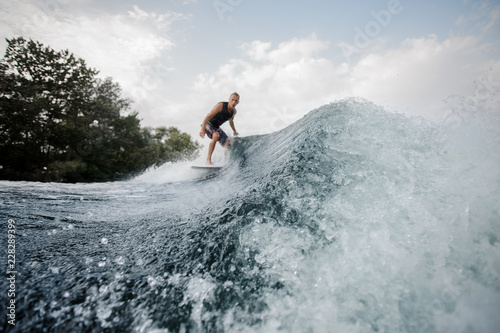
(128, 46)
(276, 84)
(286, 52)
(418, 75)
(279, 85)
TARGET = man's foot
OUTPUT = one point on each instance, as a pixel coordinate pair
(209, 162)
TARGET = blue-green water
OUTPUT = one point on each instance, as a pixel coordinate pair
(350, 220)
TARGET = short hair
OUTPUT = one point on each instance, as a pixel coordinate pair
(235, 93)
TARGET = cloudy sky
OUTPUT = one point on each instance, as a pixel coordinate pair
(177, 58)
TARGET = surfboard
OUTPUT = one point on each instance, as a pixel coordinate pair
(207, 167)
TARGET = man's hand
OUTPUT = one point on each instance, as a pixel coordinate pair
(202, 133)
(235, 133)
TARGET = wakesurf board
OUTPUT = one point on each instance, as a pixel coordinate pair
(207, 167)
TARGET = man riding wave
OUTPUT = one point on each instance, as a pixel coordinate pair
(221, 113)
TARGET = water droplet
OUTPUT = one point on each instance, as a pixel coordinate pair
(152, 281)
(260, 258)
(120, 260)
(104, 241)
(103, 314)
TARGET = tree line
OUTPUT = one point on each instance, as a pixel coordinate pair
(60, 122)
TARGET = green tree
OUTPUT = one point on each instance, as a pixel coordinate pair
(175, 145)
(41, 92)
(60, 122)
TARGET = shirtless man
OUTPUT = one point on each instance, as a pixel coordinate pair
(221, 113)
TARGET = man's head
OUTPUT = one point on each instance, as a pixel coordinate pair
(234, 99)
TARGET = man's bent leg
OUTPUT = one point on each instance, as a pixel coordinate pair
(211, 147)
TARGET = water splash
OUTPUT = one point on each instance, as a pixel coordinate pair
(352, 219)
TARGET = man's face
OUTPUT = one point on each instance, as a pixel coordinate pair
(234, 100)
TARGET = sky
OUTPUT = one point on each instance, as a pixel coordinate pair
(177, 58)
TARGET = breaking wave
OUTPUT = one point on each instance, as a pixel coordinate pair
(352, 219)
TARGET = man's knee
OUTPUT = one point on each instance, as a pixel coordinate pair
(215, 136)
